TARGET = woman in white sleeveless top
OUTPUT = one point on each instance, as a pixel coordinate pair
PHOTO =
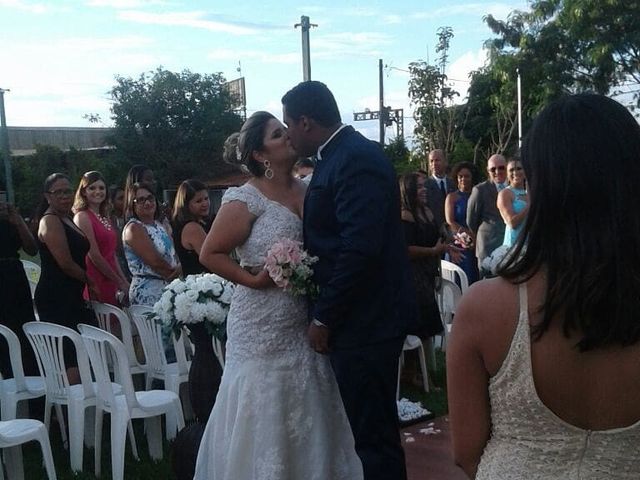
(543, 364)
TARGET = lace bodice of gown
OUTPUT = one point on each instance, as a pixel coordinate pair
(270, 321)
(528, 441)
(278, 414)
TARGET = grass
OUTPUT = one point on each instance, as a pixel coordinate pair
(436, 399)
(146, 468)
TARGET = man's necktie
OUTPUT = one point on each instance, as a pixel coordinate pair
(443, 188)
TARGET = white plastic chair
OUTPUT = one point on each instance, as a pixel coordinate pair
(451, 271)
(218, 349)
(32, 270)
(47, 341)
(129, 404)
(413, 342)
(448, 298)
(19, 388)
(13, 433)
(105, 313)
(172, 374)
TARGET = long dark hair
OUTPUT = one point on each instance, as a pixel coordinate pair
(186, 192)
(582, 159)
(408, 183)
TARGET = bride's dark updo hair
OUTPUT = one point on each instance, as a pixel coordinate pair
(239, 147)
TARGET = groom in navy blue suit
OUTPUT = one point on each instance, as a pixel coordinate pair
(366, 300)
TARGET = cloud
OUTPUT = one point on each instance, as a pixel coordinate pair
(30, 7)
(197, 19)
(350, 44)
(125, 4)
(261, 56)
(459, 70)
(498, 10)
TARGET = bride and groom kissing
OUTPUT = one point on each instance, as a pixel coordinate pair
(308, 392)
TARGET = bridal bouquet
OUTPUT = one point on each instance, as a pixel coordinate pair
(289, 266)
(197, 298)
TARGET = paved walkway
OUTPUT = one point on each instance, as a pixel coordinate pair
(429, 456)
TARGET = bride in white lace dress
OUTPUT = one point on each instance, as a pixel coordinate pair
(278, 414)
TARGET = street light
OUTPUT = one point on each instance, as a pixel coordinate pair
(4, 147)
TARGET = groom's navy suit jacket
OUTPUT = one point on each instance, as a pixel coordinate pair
(352, 223)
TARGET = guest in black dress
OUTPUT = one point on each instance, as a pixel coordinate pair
(190, 221)
(16, 307)
(426, 248)
(63, 248)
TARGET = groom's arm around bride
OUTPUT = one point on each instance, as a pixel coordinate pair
(352, 223)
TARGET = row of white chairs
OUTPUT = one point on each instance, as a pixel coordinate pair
(14, 391)
(105, 353)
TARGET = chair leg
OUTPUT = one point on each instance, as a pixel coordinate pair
(174, 420)
(423, 367)
(89, 426)
(61, 424)
(13, 461)
(132, 440)
(97, 453)
(76, 435)
(118, 443)
(43, 439)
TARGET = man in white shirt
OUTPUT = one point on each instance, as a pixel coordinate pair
(438, 185)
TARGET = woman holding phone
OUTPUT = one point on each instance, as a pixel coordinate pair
(16, 307)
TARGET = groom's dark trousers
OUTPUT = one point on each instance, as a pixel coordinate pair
(352, 223)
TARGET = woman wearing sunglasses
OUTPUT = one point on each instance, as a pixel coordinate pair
(148, 247)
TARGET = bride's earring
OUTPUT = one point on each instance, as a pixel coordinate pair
(268, 173)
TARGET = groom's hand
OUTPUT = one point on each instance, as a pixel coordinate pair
(318, 338)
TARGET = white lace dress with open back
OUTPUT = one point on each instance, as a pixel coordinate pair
(278, 414)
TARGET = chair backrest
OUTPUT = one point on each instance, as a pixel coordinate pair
(450, 271)
(47, 341)
(105, 313)
(151, 336)
(15, 357)
(103, 347)
(32, 270)
(448, 297)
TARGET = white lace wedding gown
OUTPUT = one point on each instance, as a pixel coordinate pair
(278, 414)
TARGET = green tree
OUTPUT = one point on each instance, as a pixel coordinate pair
(400, 156)
(438, 121)
(565, 46)
(175, 123)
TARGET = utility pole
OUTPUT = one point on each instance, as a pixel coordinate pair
(306, 51)
(385, 115)
(4, 144)
(381, 108)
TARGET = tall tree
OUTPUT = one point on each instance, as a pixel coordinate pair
(438, 120)
(175, 123)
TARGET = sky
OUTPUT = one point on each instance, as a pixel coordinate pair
(59, 58)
